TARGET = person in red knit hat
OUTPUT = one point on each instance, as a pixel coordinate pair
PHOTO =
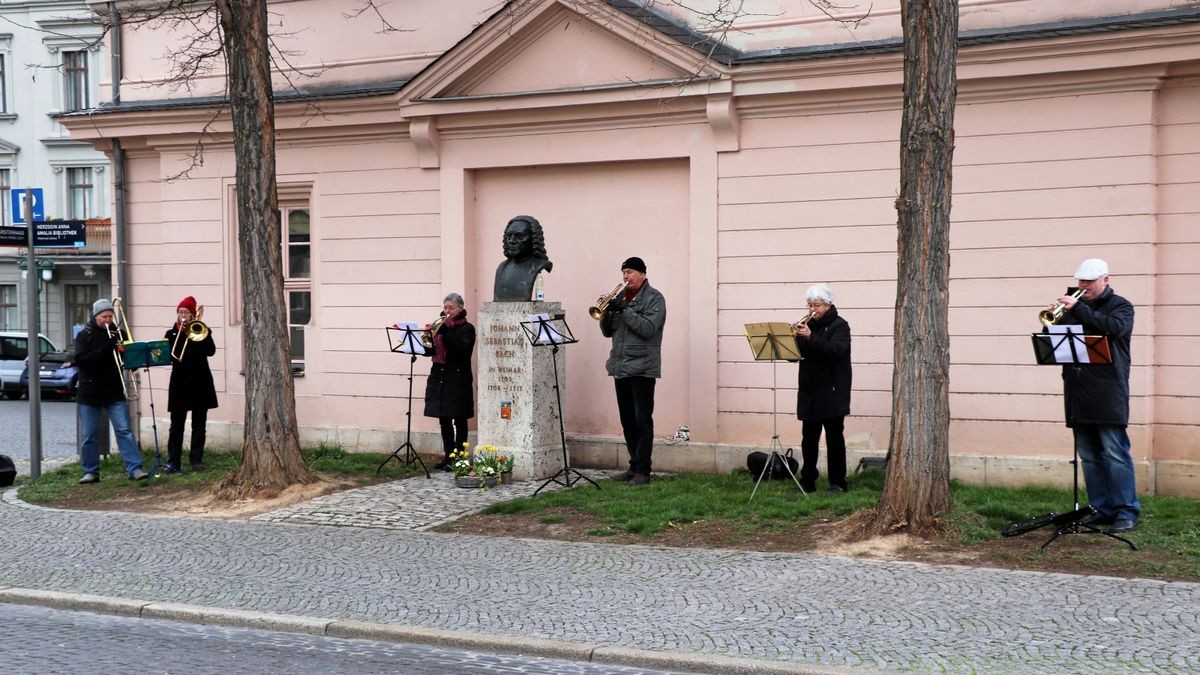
(191, 388)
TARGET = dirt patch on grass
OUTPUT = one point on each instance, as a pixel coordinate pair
(1076, 554)
(167, 499)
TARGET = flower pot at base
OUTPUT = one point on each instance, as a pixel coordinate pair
(506, 477)
(489, 481)
(467, 481)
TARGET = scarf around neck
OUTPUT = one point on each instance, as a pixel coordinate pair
(439, 342)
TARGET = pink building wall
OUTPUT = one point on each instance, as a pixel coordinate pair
(740, 189)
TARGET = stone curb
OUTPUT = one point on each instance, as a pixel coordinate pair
(561, 649)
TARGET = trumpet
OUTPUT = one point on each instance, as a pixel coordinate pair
(429, 334)
(795, 326)
(807, 317)
(1051, 316)
(121, 338)
(597, 310)
(192, 331)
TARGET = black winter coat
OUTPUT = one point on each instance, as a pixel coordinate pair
(191, 385)
(99, 377)
(1096, 394)
(450, 389)
(825, 373)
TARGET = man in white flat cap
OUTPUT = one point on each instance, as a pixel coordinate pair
(1097, 400)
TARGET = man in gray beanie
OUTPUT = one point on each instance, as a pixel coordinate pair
(100, 389)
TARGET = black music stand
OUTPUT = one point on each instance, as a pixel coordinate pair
(144, 355)
(546, 331)
(408, 342)
(773, 342)
(1065, 346)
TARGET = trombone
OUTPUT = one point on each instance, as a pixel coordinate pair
(1051, 316)
(597, 310)
(121, 339)
(192, 331)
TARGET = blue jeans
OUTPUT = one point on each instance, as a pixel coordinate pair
(118, 416)
(1108, 470)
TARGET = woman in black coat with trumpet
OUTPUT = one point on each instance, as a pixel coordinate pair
(450, 389)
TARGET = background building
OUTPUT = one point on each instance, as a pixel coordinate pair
(741, 165)
(51, 57)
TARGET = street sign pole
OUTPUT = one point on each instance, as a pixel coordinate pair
(34, 350)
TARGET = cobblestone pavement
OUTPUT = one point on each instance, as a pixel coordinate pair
(59, 641)
(58, 433)
(413, 504)
(889, 616)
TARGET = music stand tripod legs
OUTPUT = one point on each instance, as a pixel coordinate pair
(410, 453)
(155, 468)
(570, 475)
(1072, 524)
(775, 455)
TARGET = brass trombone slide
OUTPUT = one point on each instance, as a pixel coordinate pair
(122, 338)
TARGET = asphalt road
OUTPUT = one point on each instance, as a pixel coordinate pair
(58, 432)
(65, 641)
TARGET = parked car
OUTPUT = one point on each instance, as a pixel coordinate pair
(58, 374)
(14, 348)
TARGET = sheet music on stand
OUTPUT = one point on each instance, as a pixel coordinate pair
(409, 340)
(772, 341)
(545, 332)
(1068, 344)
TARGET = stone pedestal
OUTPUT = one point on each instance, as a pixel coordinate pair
(517, 409)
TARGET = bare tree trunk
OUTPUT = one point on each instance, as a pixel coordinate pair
(271, 457)
(917, 489)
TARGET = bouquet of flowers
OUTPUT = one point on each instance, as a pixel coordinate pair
(461, 462)
(486, 462)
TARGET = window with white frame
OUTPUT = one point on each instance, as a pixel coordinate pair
(8, 307)
(75, 80)
(296, 241)
(81, 188)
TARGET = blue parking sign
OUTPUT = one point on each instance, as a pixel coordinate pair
(18, 205)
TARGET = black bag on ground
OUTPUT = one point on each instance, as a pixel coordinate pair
(8, 471)
(756, 460)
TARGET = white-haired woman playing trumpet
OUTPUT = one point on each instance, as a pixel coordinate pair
(823, 395)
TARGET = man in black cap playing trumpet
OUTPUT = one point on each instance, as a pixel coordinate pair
(635, 320)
